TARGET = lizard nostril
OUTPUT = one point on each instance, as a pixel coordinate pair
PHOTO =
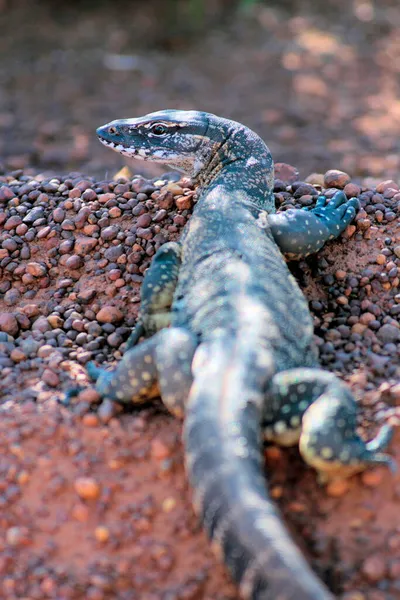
(112, 130)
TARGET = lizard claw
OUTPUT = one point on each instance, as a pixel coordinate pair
(71, 393)
(382, 439)
(374, 454)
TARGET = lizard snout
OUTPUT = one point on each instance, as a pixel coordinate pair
(108, 132)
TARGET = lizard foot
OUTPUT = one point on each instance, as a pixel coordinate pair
(336, 214)
(102, 378)
(374, 448)
(329, 441)
(93, 370)
(71, 393)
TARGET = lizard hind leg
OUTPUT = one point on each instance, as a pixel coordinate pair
(314, 408)
(135, 378)
(288, 397)
(329, 441)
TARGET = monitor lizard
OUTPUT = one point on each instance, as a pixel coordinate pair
(229, 344)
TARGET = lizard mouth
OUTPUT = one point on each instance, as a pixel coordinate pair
(131, 151)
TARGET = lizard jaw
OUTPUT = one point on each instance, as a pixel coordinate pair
(132, 152)
(188, 165)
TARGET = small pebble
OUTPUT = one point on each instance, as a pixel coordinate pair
(87, 488)
(372, 478)
(168, 505)
(159, 450)
(90, 420)
(102, 534)
(337, 488)
(374, 568)
(336, 179)
(109, 314)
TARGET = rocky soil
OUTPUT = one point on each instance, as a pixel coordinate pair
(94, 501)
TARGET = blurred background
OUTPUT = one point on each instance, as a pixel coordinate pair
(318, 80)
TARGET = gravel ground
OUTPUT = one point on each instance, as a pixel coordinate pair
(94, 499)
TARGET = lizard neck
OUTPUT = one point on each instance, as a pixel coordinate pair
(240, 166)
(247, 184)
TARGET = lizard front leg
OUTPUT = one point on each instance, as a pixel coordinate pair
(315, 408)
(157, 292)
(300, 232)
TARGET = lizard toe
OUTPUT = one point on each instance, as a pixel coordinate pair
(338, 199)
(93, 370)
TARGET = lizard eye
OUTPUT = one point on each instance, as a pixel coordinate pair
(158, 129)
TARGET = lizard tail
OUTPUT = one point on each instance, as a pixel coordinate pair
(222, 436)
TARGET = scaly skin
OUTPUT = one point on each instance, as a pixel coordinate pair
(238, 360)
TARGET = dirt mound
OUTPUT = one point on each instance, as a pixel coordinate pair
(94, 501)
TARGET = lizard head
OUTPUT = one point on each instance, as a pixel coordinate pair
(207, 148)
(174, 137)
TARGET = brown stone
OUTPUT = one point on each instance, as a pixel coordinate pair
(17, 355)
(109, 314)
(384, 185)
(87, 488)
(74, 262)
(45, 351)
(286, 173)
(372, 478)
(80, 512)
(102, 533)
(358, 328)
(352, 190)
(340, 275)
(9, 324)
(159, 450)
(184, 202)
(144, 220)
(50, 378)
(374, 568)
(366, 318)
(55, 321)
(337, 488)
(336, 179)
(85, 296)
(41, 324)
(85, 244)
(315, 179)
(12, 222)
(6, 193)
(18, 536)
(165, 200)
(75, 193)
(175, 189)
(89, 395)
(36, 269)
(90, 420)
